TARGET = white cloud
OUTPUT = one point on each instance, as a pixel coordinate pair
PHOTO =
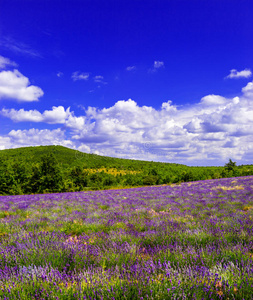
(80, 76)
(6, 62)
(158, 64)
(248, 89)
(204, 133)
(131, 68)
(84, 148)
(22, 115)
(36, 137)
(213, 100)
(57, 115)
(75, 123)
(14, 85)
(208, 132)
(239, 74)
(59, 74)
(5, 142)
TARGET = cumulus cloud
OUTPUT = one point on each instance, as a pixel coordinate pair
(22, 115)
(58, 115)
(5, 142)
(205, 133)
(210, 131)
(36, 137)
(6, 62)
(14, 85)
(80, 76)
(75, 123)
(239, 74)
(213, 100)
(248, 89)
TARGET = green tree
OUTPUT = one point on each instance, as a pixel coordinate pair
(46, 176)
(79, 177)
(51, 176)
(35, 180)
(21, 175)
(7, 179)
(187, 176)
(96, 180)
(230, 166)
(150, 180)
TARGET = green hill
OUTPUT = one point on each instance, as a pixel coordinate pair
(59, 169)
(70, 158)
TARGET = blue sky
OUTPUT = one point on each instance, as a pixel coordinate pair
(157, 80)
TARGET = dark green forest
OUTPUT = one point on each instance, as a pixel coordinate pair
(48, 169)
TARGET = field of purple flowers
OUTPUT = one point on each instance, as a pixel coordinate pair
(187, 241)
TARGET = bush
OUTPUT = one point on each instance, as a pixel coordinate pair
(150, 180)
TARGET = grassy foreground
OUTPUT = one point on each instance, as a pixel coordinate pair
(188, 241)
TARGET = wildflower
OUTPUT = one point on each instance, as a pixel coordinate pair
(218, 284)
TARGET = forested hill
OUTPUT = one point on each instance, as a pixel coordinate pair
(70, 158)
(46, 169)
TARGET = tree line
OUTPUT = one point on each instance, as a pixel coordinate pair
(48, 175)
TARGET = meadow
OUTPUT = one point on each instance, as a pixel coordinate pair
(184, 241)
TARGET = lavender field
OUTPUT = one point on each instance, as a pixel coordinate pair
(187, 241)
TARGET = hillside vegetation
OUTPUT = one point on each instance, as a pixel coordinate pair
(46, 169)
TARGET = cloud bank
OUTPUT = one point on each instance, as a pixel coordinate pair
(205, 133)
